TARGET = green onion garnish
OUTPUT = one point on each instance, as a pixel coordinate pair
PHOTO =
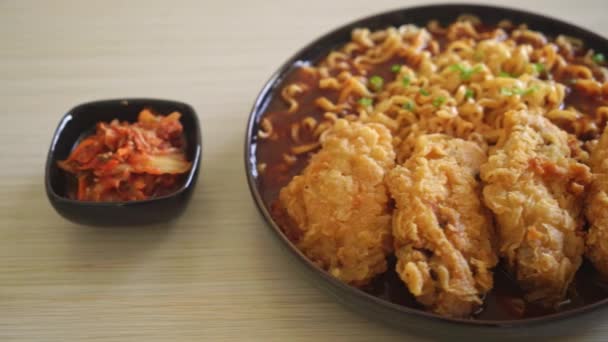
(506, 91)
(409, 105)
(396, 68)
(539, 67)
(406, 81)
(517, 91)
(423, 92)
(365, 101)
(529, 90)
(457, 67)
(465, 73)
(599, 58)
(438, 102)
(505, 74)
(475, 70)
(377, 82)
(468, 94)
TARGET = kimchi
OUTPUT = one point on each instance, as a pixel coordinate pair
(125, 161)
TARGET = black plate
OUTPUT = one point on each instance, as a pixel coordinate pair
(81, 121)
(359, 300)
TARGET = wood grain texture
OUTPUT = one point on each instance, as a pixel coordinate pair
(216, 273)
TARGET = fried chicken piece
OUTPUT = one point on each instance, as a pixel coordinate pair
(597, 207)
(534, 186)
(443, 234)
(339, 204)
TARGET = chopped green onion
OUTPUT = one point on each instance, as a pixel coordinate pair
(506, 91)
(438, 102)
(465, 73)
(599, 58)
(406, 81)
(517, 91)
(409, 105)
(396, 68)
(377, 82)
(505, 74)
(468, 94)
(475, 70)
(457, 67)
(539, 67)
(365, 101)
(423, 92)
(529, 90)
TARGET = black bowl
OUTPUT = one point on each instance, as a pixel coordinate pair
(361, 301)
(81, 121)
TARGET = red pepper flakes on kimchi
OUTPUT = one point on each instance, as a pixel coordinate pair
(127, 162)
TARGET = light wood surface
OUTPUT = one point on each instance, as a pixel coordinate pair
(216, 273)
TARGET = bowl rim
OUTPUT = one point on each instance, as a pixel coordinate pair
(251, 172)
(68, 116)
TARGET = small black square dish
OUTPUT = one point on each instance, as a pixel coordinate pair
(79, 123)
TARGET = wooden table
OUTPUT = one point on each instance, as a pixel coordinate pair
(216, 273)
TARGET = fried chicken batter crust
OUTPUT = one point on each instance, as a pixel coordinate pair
(534, 187)
(340, 205)
(443, 234)
(597, 207)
